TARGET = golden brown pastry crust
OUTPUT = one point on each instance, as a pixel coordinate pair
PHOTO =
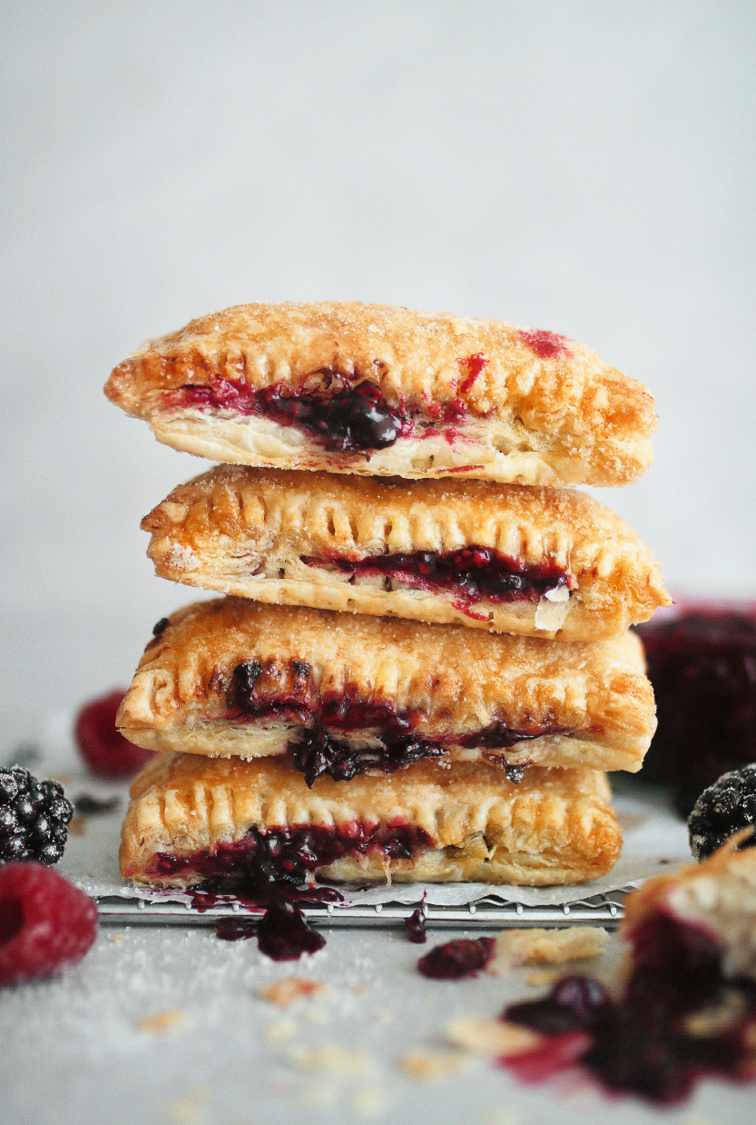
(246, 531)
(554, 827)
(717, 896)
(594, 698)
(558, 417)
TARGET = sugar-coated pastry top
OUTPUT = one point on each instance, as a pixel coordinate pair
(288, 537)
(447, 394)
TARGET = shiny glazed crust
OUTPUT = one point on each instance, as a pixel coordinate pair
(558, 417)
(246, 531)
(554, 827)
(717, 896)
(457, 680)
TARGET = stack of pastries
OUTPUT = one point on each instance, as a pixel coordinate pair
(421, 665)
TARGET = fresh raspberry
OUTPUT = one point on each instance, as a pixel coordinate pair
(104, 749)
(46, 923)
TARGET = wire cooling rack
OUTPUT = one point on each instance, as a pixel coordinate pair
(604, 909)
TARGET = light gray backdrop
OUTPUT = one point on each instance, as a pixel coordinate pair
(585, 167)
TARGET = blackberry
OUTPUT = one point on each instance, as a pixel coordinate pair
(34, 817)
(722, 810)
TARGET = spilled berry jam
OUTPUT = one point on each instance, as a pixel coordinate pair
(323, 747)
(678, 1020)
(702, 665)
(471, 574)
(350, 420)
(284, 935)
(456, 959)
(415, 927)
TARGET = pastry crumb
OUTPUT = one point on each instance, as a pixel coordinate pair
(496, 1038)
(333, 1058)
(284, 992)
(189, 1109)
(362, 988)
(77, 826)
(161, 1021)
(545, 947)
(428, 1065)
(369, 1102)
(116, 938)
(281, 1029)
(540, 977)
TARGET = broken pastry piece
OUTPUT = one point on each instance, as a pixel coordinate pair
(688, 1006)
(193, 820)
(507, 558)
(344, 694)
(372, 389)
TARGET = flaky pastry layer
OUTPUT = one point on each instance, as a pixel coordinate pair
(554, 827)
(581, 704)
(256, 533)
(476, 397)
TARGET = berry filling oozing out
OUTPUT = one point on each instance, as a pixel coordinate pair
(678, 1020)
(322, 746)
(350, 420)
(265, 865)
(471, 574)
(702, 665)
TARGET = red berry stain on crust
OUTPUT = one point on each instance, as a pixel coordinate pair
(46, 924)
(546, 345)
(456, 959)
(474, 364)
(103, 748)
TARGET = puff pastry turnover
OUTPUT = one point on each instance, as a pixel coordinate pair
(191, 819)
(371, 389)
(714, 899)
(507, 558)
(344, 694)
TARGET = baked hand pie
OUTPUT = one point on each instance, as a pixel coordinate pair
(507, 558)
(384, 391)
(687, 1007)
(192, 819)
(345, 694)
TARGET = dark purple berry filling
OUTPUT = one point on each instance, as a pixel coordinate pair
(415, 927)
(678, 1020)
(259, 867)
(472, 574)
(350, 420)
(317, 749)
(284, 935)
(702, 665)
(456, 959)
